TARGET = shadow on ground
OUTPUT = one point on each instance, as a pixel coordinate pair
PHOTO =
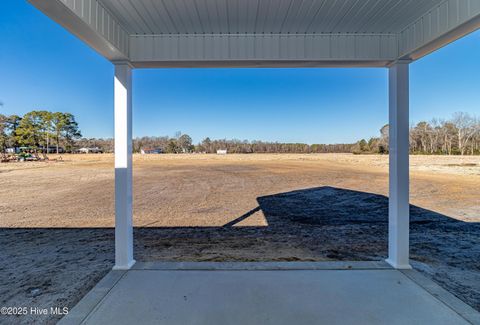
(309, 224)
(57, 266)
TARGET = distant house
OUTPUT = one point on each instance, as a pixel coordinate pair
(51, 149)
(221, 151)
(23, 149)
(150, 151)
(90, 150)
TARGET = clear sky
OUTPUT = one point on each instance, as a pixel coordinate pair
(42, 66)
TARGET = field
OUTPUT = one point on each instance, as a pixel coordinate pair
(56, 218)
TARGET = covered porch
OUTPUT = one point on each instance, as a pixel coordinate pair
(161, 34)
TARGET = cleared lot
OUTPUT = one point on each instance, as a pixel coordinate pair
(230, 208)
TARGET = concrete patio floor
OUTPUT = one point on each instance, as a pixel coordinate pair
(269, 293)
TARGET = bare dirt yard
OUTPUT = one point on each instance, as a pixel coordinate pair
(56, 218)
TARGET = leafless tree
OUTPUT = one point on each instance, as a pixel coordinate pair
(467, 127)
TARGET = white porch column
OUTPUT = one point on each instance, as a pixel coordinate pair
(398, 203)
(123, 167)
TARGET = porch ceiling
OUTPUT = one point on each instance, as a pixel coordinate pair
(266, 17)
(163, 33)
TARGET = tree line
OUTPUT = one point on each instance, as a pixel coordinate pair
(245, 146)
(39, 130)
(459, 135)
(182, 143)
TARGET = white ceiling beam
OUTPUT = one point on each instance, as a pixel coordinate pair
(263, 49)
(447, 22)
(91, 22)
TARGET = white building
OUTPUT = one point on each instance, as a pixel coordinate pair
(150, 151)
(90, 150)
(12, 150)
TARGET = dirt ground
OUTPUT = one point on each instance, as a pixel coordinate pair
(56, 218)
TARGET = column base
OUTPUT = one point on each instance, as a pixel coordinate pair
(397, 266)
(124, 267)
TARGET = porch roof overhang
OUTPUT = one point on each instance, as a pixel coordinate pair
(260, 33)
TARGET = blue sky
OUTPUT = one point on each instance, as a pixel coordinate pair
(42, 66)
